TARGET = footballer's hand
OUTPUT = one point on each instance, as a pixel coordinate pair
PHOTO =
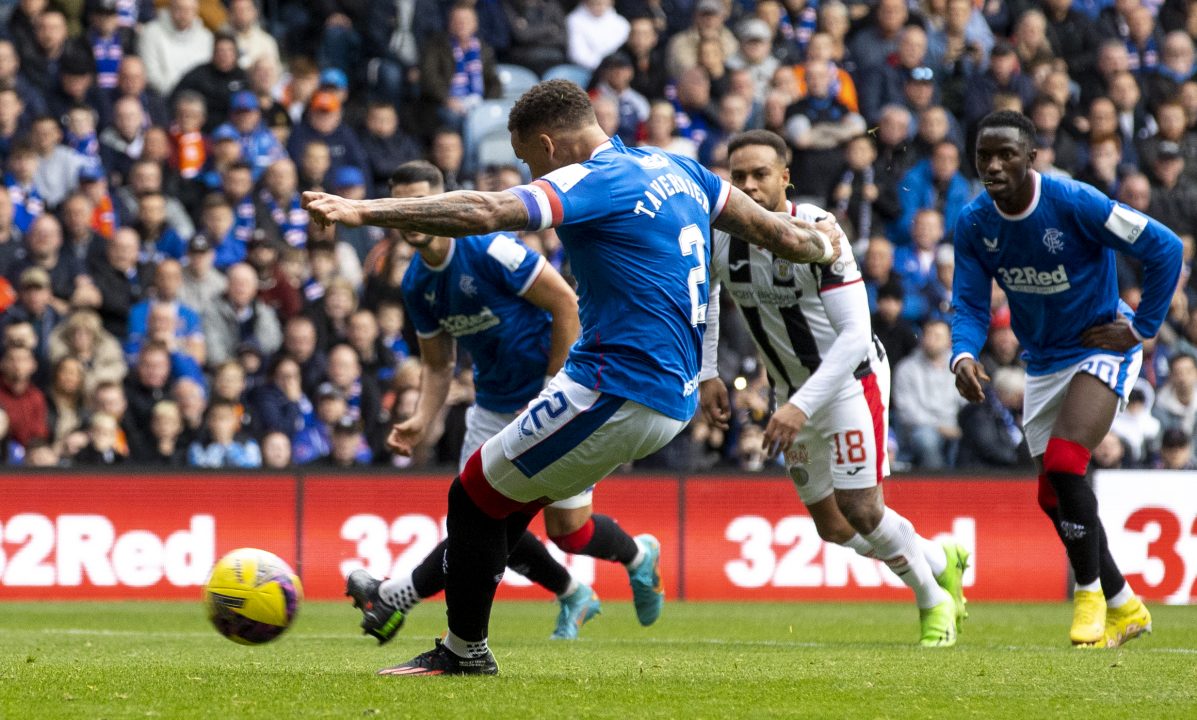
(783, 427)
(1116, 336)
(405, 436)
(712, 395)
(970, 376)
(327, 209)
(829, 227)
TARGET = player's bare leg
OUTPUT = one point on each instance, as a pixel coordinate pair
(1105, 608)
(894, 541)
(579, 531)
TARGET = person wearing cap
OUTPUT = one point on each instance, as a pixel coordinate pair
(33, 306)
(346, 443)
(109, 41)
(174, 43)
(348, 181)
(335, 80)
(217, 80)
(457, 70)
(202, 282)
(324, 122)
(254, 42)
(709, 22)
(1173, 196)
(756, 54)
(259, 147)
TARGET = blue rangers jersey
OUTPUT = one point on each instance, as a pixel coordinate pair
(635, 224)
(1055, 261)
(475, 295)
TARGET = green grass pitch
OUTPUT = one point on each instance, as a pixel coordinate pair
(162, 660)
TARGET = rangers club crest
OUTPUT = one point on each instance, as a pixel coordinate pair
(1053, 240)
(468, 286)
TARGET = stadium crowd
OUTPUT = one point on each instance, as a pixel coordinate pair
(166, 301)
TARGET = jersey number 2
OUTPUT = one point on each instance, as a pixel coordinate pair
(692, 243)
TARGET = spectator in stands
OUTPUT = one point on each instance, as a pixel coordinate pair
(1137, 428)
(457, 72)
(1002, 76)
(732, 119)
(594, 31)
(202, 283)
(299, 341)
(131, 82)
(916, 264)
(12, 120)
(253, 43)
(1001, 347)
(121, 278)
(58, 166)
(33, 306)
(874, 44)
(12, 77)
(174, 43)
(65, 406)
(189, 152)
(102, 442)
(346, 443)
(278, 206)
(1176, 450)
(159, 239)
(818, 125)
(122, 141)
(376, 358)
(990, 431)
(1048, 118)
(926, 402)
(145, 179)
(276, 451)
(42, 248)
(1104, 159)
(323, 123)
(649, 75)
(936, 183)
(224, 448)
(218, 225)
(1176, 402)
(191, 397)
(280, 404)
(238, 316)
(360, 390)
(386, 147)
(165, 447)
(40, 62)
(661, 131)
(1110, 453)
(1132, 121)
(886, 83)
(897, 335)
(74, 96)
(613, 80)
(447, 152)
(26, 201)
(274, 287)
(1074, 36)
(350, 182)
(82, 337)
(259, 148)
(894, 157)
(860, 200)
(1173, 128)
(538, 34)
(149, 383)
(755, 54)
(20, 399)
(331, 314)
(1175, 69)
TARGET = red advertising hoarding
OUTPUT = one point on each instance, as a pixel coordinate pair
(79, 537)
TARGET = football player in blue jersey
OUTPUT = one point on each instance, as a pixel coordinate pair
(635, 224)
(517, 317)
(1050, 243)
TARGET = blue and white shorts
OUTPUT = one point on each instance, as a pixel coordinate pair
(568, 439)
(1045, 393)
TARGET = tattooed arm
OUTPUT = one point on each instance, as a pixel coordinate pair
(452, 214)
(784, 236)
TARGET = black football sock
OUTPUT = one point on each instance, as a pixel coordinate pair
(600, 537)
(1078, 525)
(531, 559)
(429, 576)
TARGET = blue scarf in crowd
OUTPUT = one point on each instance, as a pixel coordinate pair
(467, 71)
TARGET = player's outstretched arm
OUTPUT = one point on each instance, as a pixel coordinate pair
(451, 214)
(436, 361)
(788, 238)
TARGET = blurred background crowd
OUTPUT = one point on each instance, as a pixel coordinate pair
(165, 300)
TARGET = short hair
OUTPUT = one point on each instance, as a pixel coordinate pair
(418, 171)
(767, 138)
(1009, 119)
(551, 105)
(215, 200)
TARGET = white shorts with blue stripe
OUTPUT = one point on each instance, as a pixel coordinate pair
(568, 439)
(482, 425)
(1045, 393)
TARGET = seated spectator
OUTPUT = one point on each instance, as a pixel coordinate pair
(878, 268)
(926, 402)
(538, 34)
(594, 31)
(58, 166)
(146, 179)
(148, 384)
(682, 51)
(27, 200)
(1173, 196)
(896, 334)
(33, 306)
(331, 314)
(391, 327)
(1110, 453)
(218, 225)
(819, 125)
(1104, 159)
(1001, 348)
(223, 447)
(315, 440)
(360, 391)
(300, 342)
(192, 400)
(661, 131)
(174, 43)
(20, 399)
(202, 282)
(1176, 451)
(934, 183)
(1175, 69)
(647, 52)
(238, 316)
(1176, 401)
(346, 442)
(122, 141)
(65, 405)
(259, 147)
(1137, 428)
(276, 451)
(377, 359)
(166, 289)
(101, 448)
(274, 286)
(165, 447)
(314, 165)
(990, 431)
(860, 200)
(217, 80)
(732, 119)
(42, 248)
(280, 404)
(916, 265)
(1002, 76)
(229, 385)
(278, 204)
(386, 146)
(82, 336)
(613, 79)
(253, 42)
(121, 278)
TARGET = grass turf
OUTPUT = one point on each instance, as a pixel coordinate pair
(136, 660)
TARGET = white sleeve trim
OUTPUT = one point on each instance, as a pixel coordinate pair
(963, 355)
(724, 194)
(428, 335)
(533, 277)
